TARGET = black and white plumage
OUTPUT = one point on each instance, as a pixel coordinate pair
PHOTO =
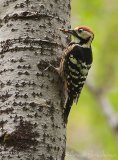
(75, 64)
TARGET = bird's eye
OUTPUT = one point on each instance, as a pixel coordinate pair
(80, 30)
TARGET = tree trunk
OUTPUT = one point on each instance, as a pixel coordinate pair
(31, 108)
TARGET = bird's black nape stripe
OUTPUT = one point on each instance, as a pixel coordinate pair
(82, 41)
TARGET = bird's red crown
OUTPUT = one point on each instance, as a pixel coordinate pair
(84, 28)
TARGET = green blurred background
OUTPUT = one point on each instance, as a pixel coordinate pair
(89, 131)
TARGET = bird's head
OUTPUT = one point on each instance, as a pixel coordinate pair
(82, 35)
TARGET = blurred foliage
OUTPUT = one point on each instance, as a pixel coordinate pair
(88, 132)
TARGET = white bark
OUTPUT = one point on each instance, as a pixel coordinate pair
(31, 109)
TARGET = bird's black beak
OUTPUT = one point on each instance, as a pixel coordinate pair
(70, 31)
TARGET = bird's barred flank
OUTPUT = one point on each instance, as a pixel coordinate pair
(74, 71)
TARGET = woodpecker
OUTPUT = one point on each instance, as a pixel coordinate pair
(75, 64)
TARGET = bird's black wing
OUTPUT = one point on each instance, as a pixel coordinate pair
(76, 63)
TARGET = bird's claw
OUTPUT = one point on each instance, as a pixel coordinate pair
(50, 66)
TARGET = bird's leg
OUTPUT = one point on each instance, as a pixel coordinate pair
(50, 66)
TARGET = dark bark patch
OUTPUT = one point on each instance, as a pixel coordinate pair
(22, 138)
(7, 110)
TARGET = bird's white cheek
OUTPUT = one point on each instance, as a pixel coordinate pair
(76, 40)
(84, 35)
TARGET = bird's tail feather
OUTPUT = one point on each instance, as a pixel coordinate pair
(68, 104)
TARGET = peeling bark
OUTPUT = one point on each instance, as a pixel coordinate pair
(31, 99)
